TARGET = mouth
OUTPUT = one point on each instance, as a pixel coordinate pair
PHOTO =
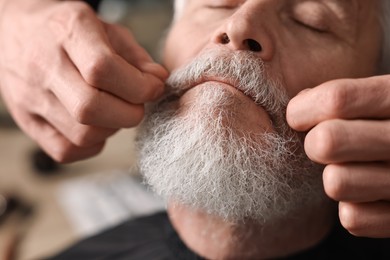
(224, 81)
(177, 92)
(228, 84)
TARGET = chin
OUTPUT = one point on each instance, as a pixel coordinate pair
(215, 150)
(236, 110)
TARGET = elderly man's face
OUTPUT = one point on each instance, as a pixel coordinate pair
(219, 140)
(306, 42)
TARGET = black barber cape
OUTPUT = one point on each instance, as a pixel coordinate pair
(153, 238)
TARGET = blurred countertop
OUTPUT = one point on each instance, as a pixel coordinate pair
(49, 230)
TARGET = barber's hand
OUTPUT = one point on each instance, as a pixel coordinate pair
(70, 80)
(348, 124)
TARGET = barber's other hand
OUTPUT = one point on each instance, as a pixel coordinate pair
(348, 125)
(70, 80)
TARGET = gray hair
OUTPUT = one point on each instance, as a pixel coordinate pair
(384, 66)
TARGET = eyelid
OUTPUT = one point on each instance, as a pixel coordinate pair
(317, 26)
(219, 7)
(312, 16)
(222, 6)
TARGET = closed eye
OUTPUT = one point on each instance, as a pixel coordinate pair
(311, 27)
(228, 7)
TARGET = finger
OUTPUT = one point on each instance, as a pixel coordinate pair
(59, 148)
(337, 141)
(51, 141)
(343, 99)
(22, 100)
(366, 219)
(357, 182)
(78, 134)
(126, 46)
(89, 105)
(85, 41)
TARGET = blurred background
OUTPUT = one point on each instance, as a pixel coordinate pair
(45, 207)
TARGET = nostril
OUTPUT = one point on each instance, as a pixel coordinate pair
(225, 39)
(248, 44)
(254, 45)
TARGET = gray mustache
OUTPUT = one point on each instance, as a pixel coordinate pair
(241, 69)
(238, 68)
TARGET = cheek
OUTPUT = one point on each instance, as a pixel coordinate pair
(305, 62)
(315, 68)
(183, 43)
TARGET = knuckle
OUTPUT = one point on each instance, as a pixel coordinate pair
(78, 11)
(67, 152)
(61, 158)
(336, 98)
(61, 153)
(322, 142)
(84, 110)
(83, 136)
(67, 15)
(96, 70)
(334, 183)
(75, 11)
(87, 136)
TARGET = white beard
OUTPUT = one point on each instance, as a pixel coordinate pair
(201, 156)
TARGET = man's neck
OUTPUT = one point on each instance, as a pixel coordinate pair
(213, 238)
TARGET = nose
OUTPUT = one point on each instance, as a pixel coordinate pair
(249, 44)
(246, 31)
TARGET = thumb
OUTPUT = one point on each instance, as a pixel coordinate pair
(294, 110)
